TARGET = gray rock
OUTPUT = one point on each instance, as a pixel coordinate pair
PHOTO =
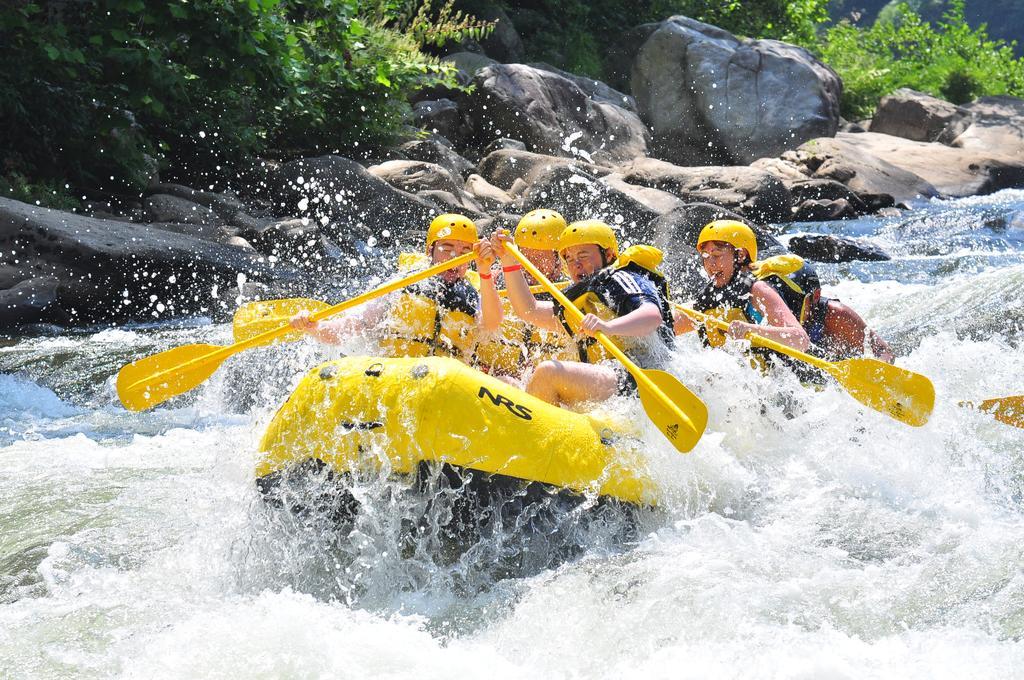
(579, 195)
(503, 43)
(824, 210)
(416, 176)
(551, 115)
(503, 143)
(918, 116)
(756, 194)
(461, 203)
(595, 89)
(294, 241)
(225, 205)
(831, 248)
(434, 151)
(30, 302)
(349, 203)
(951, 171)
(207, 232)
(486, 193)
(845, 160)
(165, 274)
(713, 99)
(167, 208)
(468, 63)
(997, 125)
(503, 167)
(443, 117)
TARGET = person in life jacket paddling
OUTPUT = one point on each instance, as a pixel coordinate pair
(834, 329)
(440, 316)
(518, 346)
(728, 251)
(620, 301)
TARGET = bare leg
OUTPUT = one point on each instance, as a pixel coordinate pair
(571, 382)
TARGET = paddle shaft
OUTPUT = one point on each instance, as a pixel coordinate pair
(761, 341)
(576, 315)
(228, 350)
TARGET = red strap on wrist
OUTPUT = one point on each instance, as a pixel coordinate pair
(513, 268)
(486, 277)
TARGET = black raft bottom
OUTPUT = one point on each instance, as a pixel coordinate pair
(458, 508)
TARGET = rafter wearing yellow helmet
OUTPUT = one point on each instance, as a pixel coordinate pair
(623, 302)
(440, 316)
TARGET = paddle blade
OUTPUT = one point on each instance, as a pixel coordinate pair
(154, 379)
(255, 318)
(681, 416)
(1008, 410)
(900, 394)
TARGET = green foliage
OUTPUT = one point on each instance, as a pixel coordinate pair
(98, 91)
(46, 194)
(949, 60)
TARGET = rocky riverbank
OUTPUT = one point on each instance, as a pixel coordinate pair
(710, 124)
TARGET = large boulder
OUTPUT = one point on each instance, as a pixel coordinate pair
(756, 194)
(997, 125)
(595, 89)
(832, 248)
(167, 208)
(551, 114)
(843, 160)
(503, 43)
(225, 205)
(711, 98)
(442, 117)
(952, 171)
(579, 195)
(416, 176)
(349, 203)
(503, 167)
(434, 151)
(113, 271)
(919, 116)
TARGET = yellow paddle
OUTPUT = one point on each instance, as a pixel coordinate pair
(901, 394)
(679, 413)
(155, 379)
(1009, 410)
(256, 318)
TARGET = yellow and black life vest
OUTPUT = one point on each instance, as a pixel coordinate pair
(432, 318)
(795, 281)
(733, 302)
(517, 345)
(592, 296)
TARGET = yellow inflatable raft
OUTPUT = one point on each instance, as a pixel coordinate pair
(358, 413)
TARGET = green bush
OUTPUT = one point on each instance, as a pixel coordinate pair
(949, 60)
(97, 92)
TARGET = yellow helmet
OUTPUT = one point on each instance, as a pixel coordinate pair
(539, 229)
(453, 227)
(736, 234)
(589, 231)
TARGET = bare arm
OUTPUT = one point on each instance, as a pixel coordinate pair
(782, 326)
(336, 330)
(642, 321)
(491, 312)
(539, 313)
(681, 323)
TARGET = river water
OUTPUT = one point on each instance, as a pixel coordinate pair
(804, 537)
